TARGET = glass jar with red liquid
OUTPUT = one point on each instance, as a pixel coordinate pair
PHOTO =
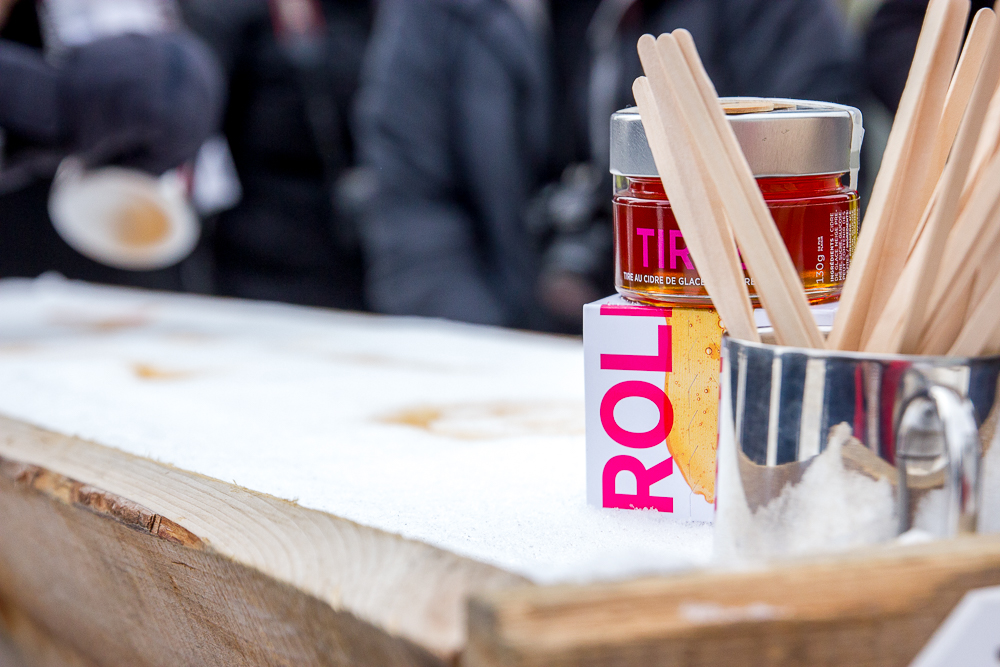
(804, 155)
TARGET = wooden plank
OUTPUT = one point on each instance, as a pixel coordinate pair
(255, 581)
(302, 444)
(870, 609)
(9, 655)
(23, 643)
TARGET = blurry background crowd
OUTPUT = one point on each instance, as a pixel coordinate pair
(443, 158)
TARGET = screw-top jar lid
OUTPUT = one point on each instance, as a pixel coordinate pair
(796, 138)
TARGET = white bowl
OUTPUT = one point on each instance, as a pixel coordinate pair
(123, 218)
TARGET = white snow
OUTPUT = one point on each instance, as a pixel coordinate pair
(468, 438)
(832, 508)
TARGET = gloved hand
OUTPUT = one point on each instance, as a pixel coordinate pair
(142, 101)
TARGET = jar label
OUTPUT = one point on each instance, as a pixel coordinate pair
(653, 261)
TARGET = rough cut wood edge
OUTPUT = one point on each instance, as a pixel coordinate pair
(121, 597)
(871, 609)
(100, 502)
(406, 593)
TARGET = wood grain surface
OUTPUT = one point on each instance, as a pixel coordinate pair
(110, 558)
(170, 568)
(102, 563)
(872, 609)
(24, 643)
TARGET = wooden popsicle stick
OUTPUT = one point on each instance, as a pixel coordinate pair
(989, 143)
(966, 242)
(986, 148)
(987, 266)
(992, 345)
(945, 320)
(963, 305)
(909, 128)
(988, 270)
(889, 332)
(698, 212)
(778, 283)
(973, 236)
(982, 325)
(923, 221)
(900, 325)
(969, 63)
(960, 90)
(747, 105)
(911, 201)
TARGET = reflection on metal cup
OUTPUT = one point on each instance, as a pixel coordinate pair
(826, 450)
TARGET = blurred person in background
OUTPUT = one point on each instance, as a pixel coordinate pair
(113, 82)
(293, 69)
(486, 126)
(891, 41)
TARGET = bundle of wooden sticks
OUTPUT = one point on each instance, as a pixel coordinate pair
(925, 276)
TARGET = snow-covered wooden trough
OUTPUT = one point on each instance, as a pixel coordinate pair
(194, 481)
(383, 468)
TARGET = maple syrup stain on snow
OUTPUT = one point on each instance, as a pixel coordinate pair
(492, 420)
(417, 417)
(150, 372)
(102, 325)
(394, 363)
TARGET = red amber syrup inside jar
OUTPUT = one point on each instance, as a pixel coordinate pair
(817, 217)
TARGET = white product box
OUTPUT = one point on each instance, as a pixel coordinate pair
(652, 393)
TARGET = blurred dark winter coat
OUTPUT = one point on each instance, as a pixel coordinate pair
(469, 106)
(287, 240)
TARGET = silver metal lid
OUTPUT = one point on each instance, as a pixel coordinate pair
(806, 138)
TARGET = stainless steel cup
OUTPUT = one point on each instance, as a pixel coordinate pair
(822, 450)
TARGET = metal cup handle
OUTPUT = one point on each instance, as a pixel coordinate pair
(962, 449)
